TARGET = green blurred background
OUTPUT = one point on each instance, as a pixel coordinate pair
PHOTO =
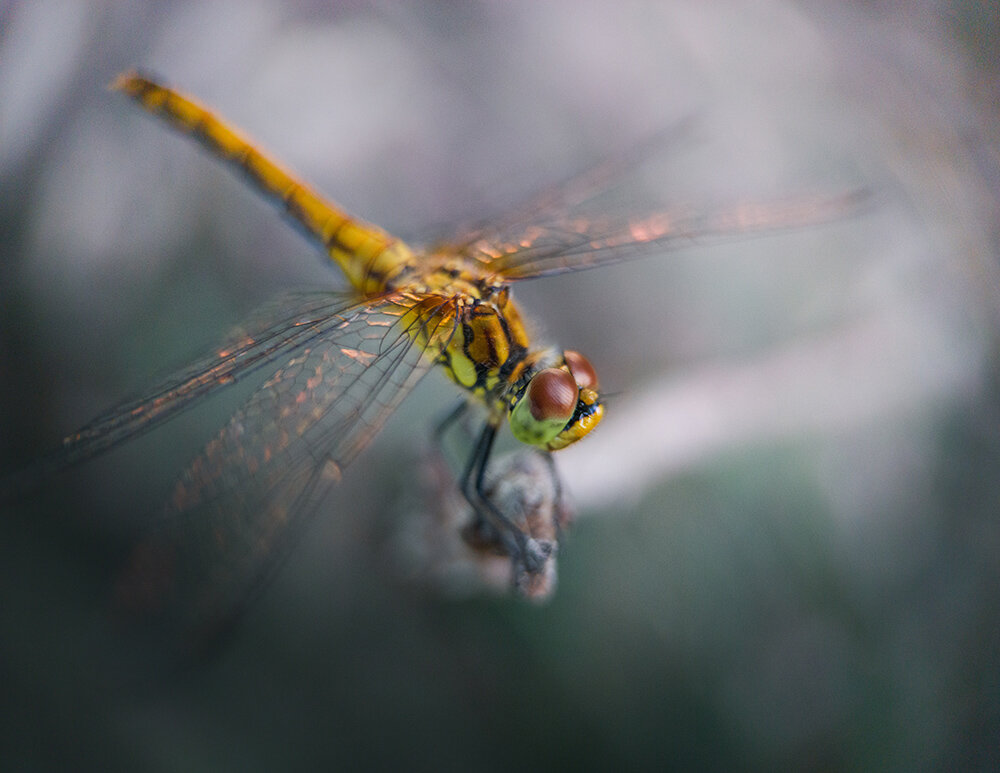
(786, 554)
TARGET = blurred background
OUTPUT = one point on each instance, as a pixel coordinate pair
(787, 537)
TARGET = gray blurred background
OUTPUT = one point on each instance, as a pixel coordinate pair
(786, 554)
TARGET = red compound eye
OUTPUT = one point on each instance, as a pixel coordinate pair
(582, 370)
(552, 394)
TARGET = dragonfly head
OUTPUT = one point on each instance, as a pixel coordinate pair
(559, 405)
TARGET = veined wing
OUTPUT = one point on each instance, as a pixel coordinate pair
(239, 505)
(279, 328)
(556, 202)
(552, 233)
(583, 242)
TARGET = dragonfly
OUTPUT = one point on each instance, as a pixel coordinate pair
(339, 363)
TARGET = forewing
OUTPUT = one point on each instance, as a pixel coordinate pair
(288, 323)
(583, 242)
(557, 202)
(240, 503)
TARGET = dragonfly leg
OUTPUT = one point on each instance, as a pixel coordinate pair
(446, 421)
(557, 487)
(528, 551)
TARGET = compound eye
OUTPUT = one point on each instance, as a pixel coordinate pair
(582, 370)
(552, 395)
(546, 406)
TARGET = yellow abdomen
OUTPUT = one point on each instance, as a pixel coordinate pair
(368, 256)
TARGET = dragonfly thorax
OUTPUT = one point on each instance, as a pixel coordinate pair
(551, 399)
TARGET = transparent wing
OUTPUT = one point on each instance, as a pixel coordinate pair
(238, 505)
(552, 233)
(288, 323)
(583, 242)
(556, 202)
